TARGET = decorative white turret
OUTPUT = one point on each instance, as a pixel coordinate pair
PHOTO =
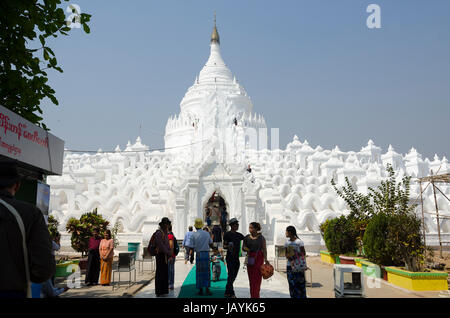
(211, 108)
(415, 166)
(294, 145)
(373, 152)
(392, 158)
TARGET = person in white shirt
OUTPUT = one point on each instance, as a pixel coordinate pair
(296, 263)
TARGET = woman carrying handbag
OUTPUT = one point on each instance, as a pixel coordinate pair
(255, 246)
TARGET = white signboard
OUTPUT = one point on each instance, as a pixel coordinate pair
(28, 143)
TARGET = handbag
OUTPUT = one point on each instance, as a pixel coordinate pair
(266, 271)
(251, 260)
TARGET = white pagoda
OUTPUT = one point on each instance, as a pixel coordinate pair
(209, 146)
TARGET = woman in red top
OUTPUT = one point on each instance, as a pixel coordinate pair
(171, 262)
(93, 264)
(255, 246)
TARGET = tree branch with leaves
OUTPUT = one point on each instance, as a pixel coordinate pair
(23, 76)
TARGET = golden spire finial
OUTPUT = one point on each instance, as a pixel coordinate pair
(215, 35)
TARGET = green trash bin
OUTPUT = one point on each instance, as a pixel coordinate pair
(134, 247)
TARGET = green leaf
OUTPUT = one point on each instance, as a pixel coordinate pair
(86, 28)
(46, 56)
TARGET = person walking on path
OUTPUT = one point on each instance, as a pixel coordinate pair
(171, 261)
(296, 264)
(25, 243)
(255, 246)
(232, 242)
(106, 256)
(93, 263)
(187, 244)
(202, 242)
(163, 257)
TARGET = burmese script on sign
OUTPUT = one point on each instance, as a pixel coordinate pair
(20, 130)
(28, 143)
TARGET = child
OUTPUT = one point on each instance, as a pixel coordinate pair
(215, 260)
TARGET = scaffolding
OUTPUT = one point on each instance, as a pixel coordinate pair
(432, 180)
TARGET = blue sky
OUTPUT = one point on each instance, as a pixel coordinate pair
(312, 68)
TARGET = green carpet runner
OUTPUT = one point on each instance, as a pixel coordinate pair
(188, 289)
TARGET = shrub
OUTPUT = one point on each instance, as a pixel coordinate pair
(82, 230)
(377, 247)
(406, 236)
(394, 239)
(340, 235)
(361, 209)
(394, 235)
(360, 205)
(323, 227)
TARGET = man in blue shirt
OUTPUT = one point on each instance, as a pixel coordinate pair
(202, 242)
(187, 244)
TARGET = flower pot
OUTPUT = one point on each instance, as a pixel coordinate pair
(347, 260)
(358, 261)
(419, 281)
(329, 258)
(370, 269)
(384, 273)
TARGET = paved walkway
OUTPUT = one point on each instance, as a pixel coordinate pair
(123, 290)
(181, 272)
(277, 285)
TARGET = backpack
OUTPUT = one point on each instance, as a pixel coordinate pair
(176, 248)
(152, 245)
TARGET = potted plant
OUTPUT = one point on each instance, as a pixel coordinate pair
(393, 238)
(339, 236)
(81, 230)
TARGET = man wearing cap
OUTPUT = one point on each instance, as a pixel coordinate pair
(14, 277)
(202, 242)
(163, 256)
(232, 242)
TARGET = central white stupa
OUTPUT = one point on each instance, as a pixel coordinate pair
(214, 112)
(208, 147)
